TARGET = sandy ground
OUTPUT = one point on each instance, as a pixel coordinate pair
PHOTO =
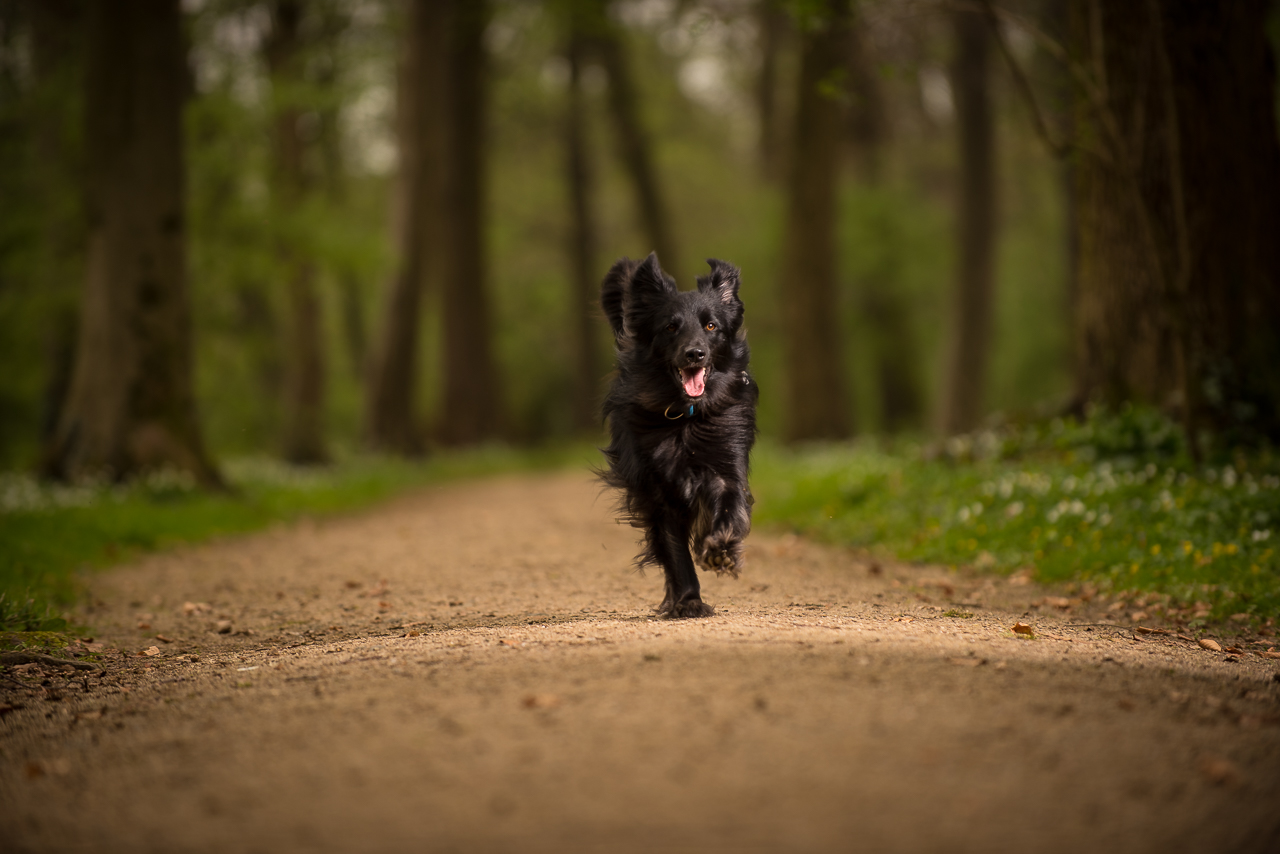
(476, 668)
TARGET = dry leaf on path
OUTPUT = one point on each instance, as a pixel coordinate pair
(1219, 771)
(903, 619)
(151, 650)
(1270, 653)
(1023, 629)
(1210, 644)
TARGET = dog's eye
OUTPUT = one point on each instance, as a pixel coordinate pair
(711, 326)
(671, 327)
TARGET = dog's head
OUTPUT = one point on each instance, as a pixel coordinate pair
(687, 335)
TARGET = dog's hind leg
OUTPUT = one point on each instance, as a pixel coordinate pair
(669, 543)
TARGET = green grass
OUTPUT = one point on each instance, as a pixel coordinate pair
(1112, 502)
(50, 535)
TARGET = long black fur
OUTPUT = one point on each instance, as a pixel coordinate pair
(680, 460)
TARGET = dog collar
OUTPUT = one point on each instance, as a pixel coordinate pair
(667, 413)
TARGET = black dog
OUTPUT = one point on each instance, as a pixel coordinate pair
(682, 418)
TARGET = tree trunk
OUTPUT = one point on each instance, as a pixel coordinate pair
(391, 411)
(582, 244)
(1179, 212)
(57, 50)
(304, 386)
(334, 21)
(817, 402)
(635, 144)
(472, 398)
(131, 406)
(965, 370)
(771, 23)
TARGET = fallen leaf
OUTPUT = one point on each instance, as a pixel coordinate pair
(541, 701)
(1058, 602)
(223, 627)
(1235, 650)
(144, 626)
(1270, 653)
(509, 642)
(151, 650)
(412, 634)
(164, 639)
(1219, 771)
(1210, 644)
(1023, 629)
(903, 620)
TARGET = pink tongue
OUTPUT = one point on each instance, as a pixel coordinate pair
(695, 383)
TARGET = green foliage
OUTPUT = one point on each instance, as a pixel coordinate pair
(1110, 501)
(50, 534)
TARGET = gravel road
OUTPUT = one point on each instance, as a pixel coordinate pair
(476, 668)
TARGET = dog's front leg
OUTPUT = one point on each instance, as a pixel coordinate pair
(726, 521)
(669, 540)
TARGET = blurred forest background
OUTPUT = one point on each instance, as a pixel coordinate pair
(307, 227)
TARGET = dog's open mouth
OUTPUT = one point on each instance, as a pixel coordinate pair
(694, 381)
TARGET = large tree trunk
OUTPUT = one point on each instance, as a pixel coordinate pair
(964, 375)
(304, 387)
(472, 398)
(131, 406)
(582, 242)
(634, 140)
(772, 28)
(57, 51)
(817, 401)
(883, 304)
(1179, 212)
(391, 413)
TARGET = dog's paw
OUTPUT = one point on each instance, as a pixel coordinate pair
(721, 554)
(684, 609)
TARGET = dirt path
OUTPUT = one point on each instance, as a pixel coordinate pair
(475, 669)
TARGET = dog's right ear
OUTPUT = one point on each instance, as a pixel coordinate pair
(649, 287)
(612, 292)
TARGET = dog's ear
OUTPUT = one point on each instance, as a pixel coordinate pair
(612, 291)
(649, 286)
(722, 282)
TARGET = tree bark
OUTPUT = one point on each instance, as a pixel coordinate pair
(334, 20)
(771, 24)
(635, 144)
(303, 441)
(969, 342)
(57, 52)
(1179, 212)
(817, 401)
(472, 397)
(582, 241)
(131, 405)
(391, 412)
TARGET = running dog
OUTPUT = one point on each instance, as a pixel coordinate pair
(682, 422)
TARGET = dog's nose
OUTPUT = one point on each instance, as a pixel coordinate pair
(695, 355)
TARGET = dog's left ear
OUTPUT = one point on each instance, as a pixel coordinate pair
(722, 282)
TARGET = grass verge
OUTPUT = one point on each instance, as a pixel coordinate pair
(51, 535)
(1112, 502)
